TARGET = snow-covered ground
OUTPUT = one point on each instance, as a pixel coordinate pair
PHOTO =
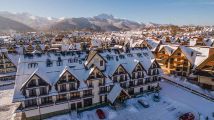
(185, 83)
(6, 106)
(174, 102)
(6, 82)
(201, 105)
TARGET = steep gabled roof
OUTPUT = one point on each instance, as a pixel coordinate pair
(92, 70)
(115, 92)
(38, 74)
(66, 69)
(91, 56)
(203, 63)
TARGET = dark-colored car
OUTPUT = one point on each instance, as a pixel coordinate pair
(143, 103)
(187, 116)
(156, 97)
(100, 114)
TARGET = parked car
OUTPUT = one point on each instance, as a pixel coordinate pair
(144, 103)
(100, 114)
(156, 97)
(187, 116)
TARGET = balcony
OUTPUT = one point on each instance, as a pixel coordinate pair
(103, 92)
(88, 95)
(72, 88)
(75, 98)
(63, 90)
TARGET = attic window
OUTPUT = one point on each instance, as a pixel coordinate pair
(70, 60)
(129, 55)
(145, 54)
(32, 65)
(49, 63)
(117, 58)
(121, 56)
(75, 60)
(59, 62)
(139, 54)
(109, 57)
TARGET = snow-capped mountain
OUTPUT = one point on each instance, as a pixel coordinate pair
(102, 22)
(30, 20)
(7, 25)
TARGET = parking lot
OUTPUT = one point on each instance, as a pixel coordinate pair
(132, 110)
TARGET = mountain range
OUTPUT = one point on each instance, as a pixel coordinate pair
(26, 22)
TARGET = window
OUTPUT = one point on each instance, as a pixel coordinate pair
(101, 62)
(115, 78)
(75, 60)
(32, 92)
(87, 93)
(74, 95)
(72, 86)
(87, 102)
(29, 103)
(103, 89)
(70, 60)
(178, 54)
(32, 65)
(46, 100)
(63, 88)
(49, 63)
(133, 75)
(43, 91)
(59, 62)
(32, 83)
(90, 84)
(61, 97)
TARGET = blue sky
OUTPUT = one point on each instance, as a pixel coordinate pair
(159, 11)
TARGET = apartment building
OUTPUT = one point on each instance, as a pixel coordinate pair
(181, 60)
(55, 83)
(205, 73)
(8, 63)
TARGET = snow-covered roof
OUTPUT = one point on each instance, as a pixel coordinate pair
(116, 90)
(153, 43)
(169, 48)
(74, 62)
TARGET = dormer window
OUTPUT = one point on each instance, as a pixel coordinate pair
(49, 63)
(70, 60)
(59, 62)
(75, 60)
(32, 65)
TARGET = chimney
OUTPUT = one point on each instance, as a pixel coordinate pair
(211, 51)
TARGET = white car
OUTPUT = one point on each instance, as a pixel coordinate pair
(144, 103)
